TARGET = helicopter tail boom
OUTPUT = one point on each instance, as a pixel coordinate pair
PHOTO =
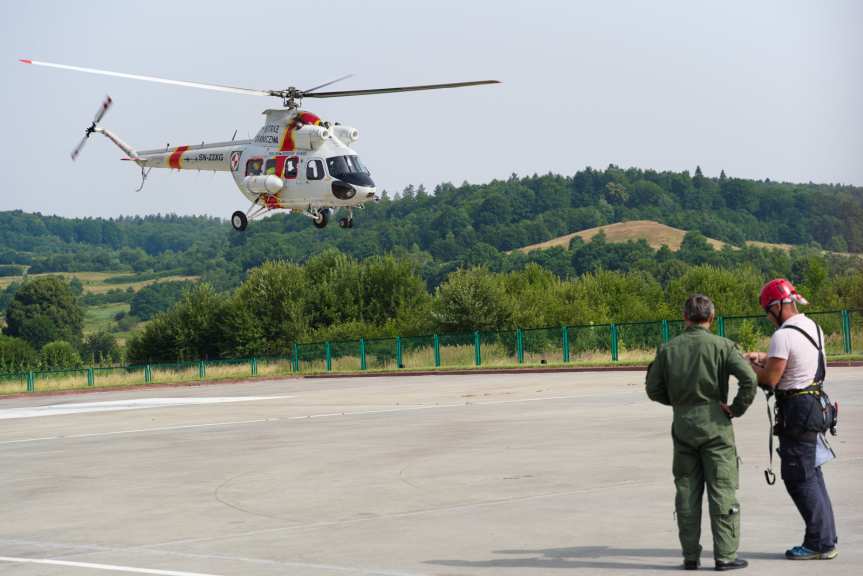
(217, 156)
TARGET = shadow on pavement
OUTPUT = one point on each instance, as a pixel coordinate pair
(596, 557)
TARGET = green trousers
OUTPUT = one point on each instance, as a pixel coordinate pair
(705, 455)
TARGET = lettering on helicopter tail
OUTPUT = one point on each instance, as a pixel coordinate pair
(176, 156)
(235, 160)
(212, 157)
(269, 134)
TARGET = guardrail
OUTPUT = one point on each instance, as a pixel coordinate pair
(631, 342)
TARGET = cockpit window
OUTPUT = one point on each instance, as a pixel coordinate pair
(339, 166)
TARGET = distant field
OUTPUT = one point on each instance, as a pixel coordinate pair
(94, 282)
(654, 233)
(101, 317)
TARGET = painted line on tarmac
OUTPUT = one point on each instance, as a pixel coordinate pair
(289, 418)
(140, 430)
(83, 549)
(130, 404)
(107, 567)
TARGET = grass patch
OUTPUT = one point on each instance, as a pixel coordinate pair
(101, 317)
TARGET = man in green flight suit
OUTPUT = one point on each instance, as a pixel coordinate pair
(691, 373)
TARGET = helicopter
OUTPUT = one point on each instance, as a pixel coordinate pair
(296, 162)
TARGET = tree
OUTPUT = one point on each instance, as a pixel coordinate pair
(59, 355)
(473, 299)
(44, 310)
(268, 312)
(16, 355)
(101, 348)
(155, 298)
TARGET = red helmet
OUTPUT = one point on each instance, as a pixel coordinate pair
(779, 290)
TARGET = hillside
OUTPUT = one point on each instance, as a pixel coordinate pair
(457, 226)
(654, 233)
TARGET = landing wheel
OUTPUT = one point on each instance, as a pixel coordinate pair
(239, 221)
(346, 222)
(321, 219)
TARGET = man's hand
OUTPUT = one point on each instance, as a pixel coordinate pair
(727, 409)
(756, 358)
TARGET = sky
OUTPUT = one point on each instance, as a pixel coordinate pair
(768, 89)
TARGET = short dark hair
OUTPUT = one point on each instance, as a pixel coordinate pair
(698, 308)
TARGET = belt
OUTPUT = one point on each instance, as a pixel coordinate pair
(814, 389)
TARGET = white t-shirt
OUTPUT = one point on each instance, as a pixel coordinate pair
(801, 355)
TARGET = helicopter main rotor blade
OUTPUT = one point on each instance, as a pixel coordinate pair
(345, 77)
(396, 89)
(217, 87)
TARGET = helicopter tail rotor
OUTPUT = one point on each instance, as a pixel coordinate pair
(100, 113)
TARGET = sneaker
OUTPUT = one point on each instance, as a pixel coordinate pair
(733, 565)
(691, 564)
(829, 555)
(802, 553)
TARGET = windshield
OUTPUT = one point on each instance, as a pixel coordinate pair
(340, 166)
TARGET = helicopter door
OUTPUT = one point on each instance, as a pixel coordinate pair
(289, 168)
(314, 169)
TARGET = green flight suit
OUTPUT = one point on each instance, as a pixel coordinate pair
(691, 373)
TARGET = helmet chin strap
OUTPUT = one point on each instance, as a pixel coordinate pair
(777, 317)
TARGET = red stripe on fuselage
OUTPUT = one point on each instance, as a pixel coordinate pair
(176, 155)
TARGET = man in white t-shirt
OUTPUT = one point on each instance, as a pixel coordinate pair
(794, 368)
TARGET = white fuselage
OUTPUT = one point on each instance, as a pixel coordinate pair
(295, 162)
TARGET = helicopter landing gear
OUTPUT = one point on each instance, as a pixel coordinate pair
(349, 221)
(321, 219)
(239, 221)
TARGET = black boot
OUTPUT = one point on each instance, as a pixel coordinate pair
(733, 565)
(691, 564)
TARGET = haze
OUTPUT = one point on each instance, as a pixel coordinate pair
(762, 90)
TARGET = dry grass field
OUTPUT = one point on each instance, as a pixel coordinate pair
(654, 233)
(94, 282)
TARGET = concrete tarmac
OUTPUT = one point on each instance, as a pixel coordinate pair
(518, 474)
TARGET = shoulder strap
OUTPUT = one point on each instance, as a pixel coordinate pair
(821, 373)
(808, 337)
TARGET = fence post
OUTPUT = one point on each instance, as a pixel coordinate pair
(720, 326)
(328, 356)
(253, 364)
(295, 361)
(846, 331)
(666, 335)
(363, 365)
(565, 338)
(614, 355)
(31, 382)
(519, 345)
(202, 369)
(148, 375)
(399, 352)
(436, 351)
(476, 349)
(91, 377)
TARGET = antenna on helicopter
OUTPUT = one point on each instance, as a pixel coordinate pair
(99, 114)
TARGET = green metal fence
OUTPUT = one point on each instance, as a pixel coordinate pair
(627, 342)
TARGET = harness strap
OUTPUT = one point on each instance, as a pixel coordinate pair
(821, 372)
(769, 474)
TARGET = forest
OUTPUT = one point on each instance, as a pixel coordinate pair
(421, 261)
